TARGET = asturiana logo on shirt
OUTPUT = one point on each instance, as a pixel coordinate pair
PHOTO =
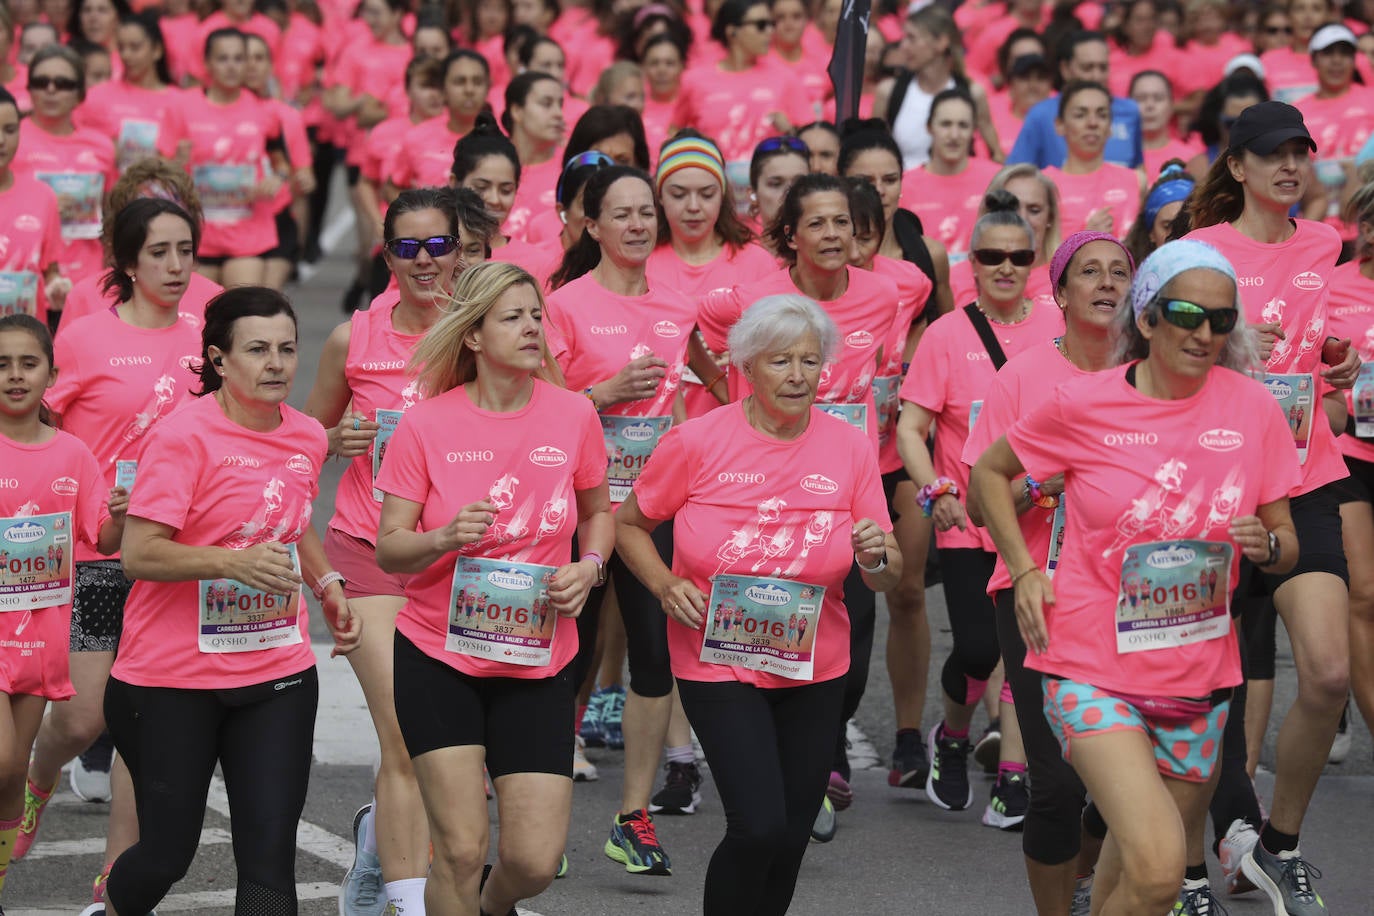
(25, 532)
(65, 486)
(818, 483)
(1308, 280)
(667, 329)
(1221, 440)
(546, 456)
(300, 464)
(1171, 557)
(512, 580)
(768, 594)
(859, 340)
(27, 223)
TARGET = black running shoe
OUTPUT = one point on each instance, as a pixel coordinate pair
(910, 764)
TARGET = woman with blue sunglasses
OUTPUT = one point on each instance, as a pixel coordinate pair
(362, 390)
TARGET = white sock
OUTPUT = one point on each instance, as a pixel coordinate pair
(367, 832)
(408, 896)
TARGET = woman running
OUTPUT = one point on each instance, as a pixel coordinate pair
(1093, 194)
(31, 264)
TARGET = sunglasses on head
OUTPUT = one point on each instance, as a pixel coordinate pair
(409, 249)
(991, 257)
(1189, 315)
(773, 144)
(58, 83)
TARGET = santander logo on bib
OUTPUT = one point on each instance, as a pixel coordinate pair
(1308, 280)
(859, 340)
(818, 483)
(65, 486)
(546, 456)
(667, 329)
(1221, 440)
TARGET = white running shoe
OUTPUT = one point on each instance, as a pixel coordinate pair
(583, 769)
(362, 893)
(1236, 845)
(90, 784)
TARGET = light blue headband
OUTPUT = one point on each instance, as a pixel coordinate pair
(1171, 259)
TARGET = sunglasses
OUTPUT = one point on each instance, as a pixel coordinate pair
(1189, 315)
(1277, 30)
(409, 249)
(590, 159)
(774, 144)
(763, 25)
(57, 83)
(991, 257)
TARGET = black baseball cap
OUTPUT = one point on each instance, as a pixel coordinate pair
(1262, 127)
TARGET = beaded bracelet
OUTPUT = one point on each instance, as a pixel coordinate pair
(1038, 498)
(942, 486)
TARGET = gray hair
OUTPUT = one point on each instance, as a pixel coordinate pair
(774, 323)
(1241, 351)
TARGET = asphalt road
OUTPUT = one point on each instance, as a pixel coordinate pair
(895, 852)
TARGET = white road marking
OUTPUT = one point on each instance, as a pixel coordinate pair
(95, 846)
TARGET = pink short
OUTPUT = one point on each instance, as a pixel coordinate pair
(33, 652)
(356, 559)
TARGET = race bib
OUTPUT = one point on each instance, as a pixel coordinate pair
(125, 472)
(387, 421)
(35, 561)
(500, 611)
(1173, 593)
(1331, 173)
(238, 618)
(886, 394)
(737, 175)
(1362, 402)
(226, 191)
(762, 624)
(1295, 397)
(136, 140)
(1056, 538)
(18, 292)
(855, 415)
(79, 198)
(974, 410)
(629, 443)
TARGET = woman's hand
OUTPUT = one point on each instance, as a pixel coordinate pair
(869, 543)
(344, 625)
(56, 290)
(1033, 591)
(1344, 363)
(1101, 220)
(684, 602)
(469, 526)
(948, 513)
(118, 504)
(269, 186)
(1267, 335)
(266, 567)
(638, 379)
(1251, 537)
(352, 436)
(1053, 487)
(570, 586)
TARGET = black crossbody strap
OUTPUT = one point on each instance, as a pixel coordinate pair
(984, 328)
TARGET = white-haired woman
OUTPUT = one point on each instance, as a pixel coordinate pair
(774, 501)
(1176, 467)
(484, 534)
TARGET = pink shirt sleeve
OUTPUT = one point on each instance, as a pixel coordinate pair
(166, 497)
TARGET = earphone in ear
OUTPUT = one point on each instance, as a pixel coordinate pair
(218, 361)
(1152, 320)
(563, 217)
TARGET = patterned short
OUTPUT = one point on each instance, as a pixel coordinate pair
(1186, 749)
(98, 606)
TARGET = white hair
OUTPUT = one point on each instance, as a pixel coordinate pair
(775, 323)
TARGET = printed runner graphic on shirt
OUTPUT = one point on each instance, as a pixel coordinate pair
(18, 292)
(79, 197)
(35, 561)
(1173, 593)
(239, 618)
(500, 610)
(763, 624)
(629, 443)
(164, 393)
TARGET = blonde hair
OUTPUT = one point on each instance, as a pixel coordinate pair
(1360, 208)
(606, 83)
(1029, 170)
(443, 360)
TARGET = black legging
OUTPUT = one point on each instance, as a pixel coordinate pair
(1051, 832)
(646, 626)
(769, 751)
(862, 605)
(964, 574)
(170, 740)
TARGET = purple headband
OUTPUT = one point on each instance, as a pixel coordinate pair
(1065, 252)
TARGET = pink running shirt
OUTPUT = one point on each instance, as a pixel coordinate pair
(534, 196)
(735, 108)
(216, 484)
(32, 227)
(228, 159)
(88, 298)
(1351, 315)
(1111, 185)
(1340, 126)
(530, 463)
(141, 122)
(747, 504)
(914, 289)
(1140, 470)
(948, 204)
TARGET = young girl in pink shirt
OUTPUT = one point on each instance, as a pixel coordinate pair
(1093, 193)
(534, 117)
(224, 499)
(496, 512)
(54, 496)
(363, 389)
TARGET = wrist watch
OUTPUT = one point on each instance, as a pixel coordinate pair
(600, 567)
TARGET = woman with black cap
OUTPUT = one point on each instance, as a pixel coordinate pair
(1241, 207)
